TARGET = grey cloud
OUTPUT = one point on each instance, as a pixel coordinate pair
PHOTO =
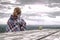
(33, 14)
(34, 1)
(54, 1)
(49, 2)
(9, 3)
(35, 19)
(4, 3)
(2, 7)
(53, 14)
(5, 7)
(23, 2)
(56, 13)
(54, 5)
(40, 1)
(3, 15)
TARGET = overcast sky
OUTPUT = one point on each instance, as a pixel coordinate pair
(34, 12)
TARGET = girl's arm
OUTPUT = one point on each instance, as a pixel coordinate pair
(11, 25)
(23, 25)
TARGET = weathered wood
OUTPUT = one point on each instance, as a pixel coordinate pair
(27, 35)
(55, 36)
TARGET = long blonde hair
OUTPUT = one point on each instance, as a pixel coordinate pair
(17, 11)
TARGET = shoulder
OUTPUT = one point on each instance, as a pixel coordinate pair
(22, 19)
(10, 20)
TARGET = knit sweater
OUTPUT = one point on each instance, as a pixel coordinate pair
(15, 24)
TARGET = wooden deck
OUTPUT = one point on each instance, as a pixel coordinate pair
(45, 34)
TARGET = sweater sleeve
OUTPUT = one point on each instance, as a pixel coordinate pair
(10, 24)
(23, 27)
(24, 23)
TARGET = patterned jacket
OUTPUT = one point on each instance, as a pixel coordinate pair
(15, 24)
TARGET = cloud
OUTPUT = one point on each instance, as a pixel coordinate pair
(34, 18)
(4, 20)
(53, 14)
(3, 15)
(35, 12)
(54, 1)
(5, 6)
(39, 1)
(53, 5)
(29, 1)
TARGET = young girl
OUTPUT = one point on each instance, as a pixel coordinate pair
(15, 23)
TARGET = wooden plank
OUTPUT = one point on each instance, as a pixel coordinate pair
(27, 35)
(55, 36)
